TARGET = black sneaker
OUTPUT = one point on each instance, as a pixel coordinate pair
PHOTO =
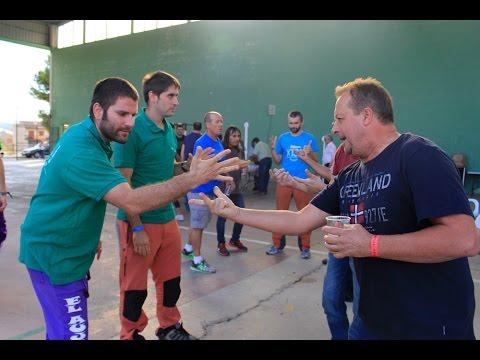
(174, 332)
(222, 250)
(238, 244)
(137, 336)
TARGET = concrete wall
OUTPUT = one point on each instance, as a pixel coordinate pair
(240, 67)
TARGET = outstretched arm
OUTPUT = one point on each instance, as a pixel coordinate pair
(321, 170)
(313, 185)
(278, 221)
(204, 167)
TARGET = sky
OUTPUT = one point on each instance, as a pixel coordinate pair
(18, 66)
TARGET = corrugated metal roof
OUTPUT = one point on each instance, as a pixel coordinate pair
(29, 32)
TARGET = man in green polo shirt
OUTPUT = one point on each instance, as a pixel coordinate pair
(151, 240)
(61, 232)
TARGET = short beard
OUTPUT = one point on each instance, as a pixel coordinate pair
(108, 132)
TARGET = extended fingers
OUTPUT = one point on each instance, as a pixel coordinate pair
(244, 164)
(222, 154)
(303, 181)
(224, 178)
(276, 172)
(226, 169)
(204, 153)
(235, 161)
(301, 153)
(285, 177)
(204, 200)
(218, 192)
(310, 174)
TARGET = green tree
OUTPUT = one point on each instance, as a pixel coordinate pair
(42, 91)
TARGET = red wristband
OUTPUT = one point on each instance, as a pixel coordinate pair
(374, 246)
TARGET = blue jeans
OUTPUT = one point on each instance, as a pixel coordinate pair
(237, 199)
(333, 299)
(358, 331)
(264, 166)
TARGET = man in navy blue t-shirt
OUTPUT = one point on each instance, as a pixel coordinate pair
(411, 224)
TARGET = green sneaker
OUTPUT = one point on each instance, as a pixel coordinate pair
(203, 267)
(187, 254)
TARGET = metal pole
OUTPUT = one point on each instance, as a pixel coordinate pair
(245, 141)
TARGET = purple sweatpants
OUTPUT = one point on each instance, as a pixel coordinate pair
(3, 228)
(64, 307)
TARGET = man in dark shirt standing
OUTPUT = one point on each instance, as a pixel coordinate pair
(189, 141)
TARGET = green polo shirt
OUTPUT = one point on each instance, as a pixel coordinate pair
(150, 152)
(62, 228)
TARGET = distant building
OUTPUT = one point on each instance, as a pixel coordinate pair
(29, 133)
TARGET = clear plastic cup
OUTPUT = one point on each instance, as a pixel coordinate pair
(338, 221)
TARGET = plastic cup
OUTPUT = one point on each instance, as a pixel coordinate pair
(338, 221)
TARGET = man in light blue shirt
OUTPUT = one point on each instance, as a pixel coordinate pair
(284, 152)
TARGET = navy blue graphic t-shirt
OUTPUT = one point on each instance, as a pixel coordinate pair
(397, 192)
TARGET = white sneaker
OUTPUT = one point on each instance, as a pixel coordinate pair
(179, 217)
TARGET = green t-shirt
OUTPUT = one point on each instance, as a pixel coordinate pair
(62, 228)
(150, 152)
